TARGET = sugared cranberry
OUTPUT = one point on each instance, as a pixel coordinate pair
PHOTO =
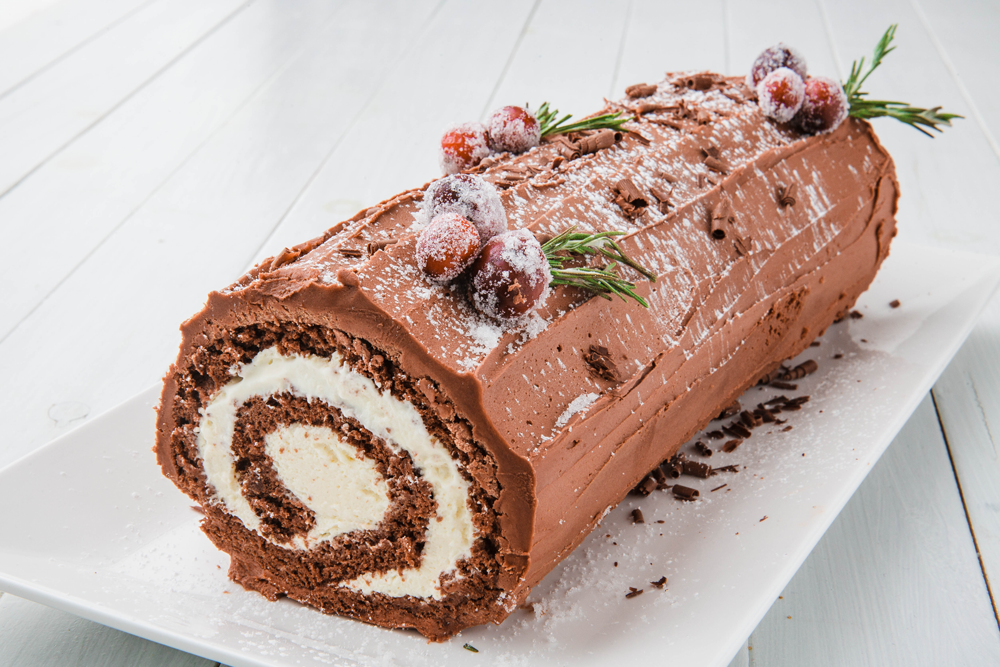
(780, 94)
(472, 197)
(463, 146)
(824, 108)
(511, 276)
(513, 129)
(446, 246)
(770, 59)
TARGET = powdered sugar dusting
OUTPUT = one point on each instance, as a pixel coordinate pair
(578, 404)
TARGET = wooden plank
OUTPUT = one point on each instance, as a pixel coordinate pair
(895, 580)
(39, 39)
(22, 641)
(932, 173)
(105, 175)
(968, 401)
(46, 113)
(964, 34)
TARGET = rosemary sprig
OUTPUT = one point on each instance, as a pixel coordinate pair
(603, 281)
(547, 118)
(860, 107)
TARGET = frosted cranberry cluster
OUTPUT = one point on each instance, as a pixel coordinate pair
(787, 94)
(507, 272)
(508, 129)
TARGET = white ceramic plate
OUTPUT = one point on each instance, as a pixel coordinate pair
(89, 525)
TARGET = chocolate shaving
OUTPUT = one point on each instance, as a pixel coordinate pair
(731, 446)
(715, 164)
(805, 368)
(701, 180)
(838, 356)
(667, 176)
(711, 150)
(645, 487)
(786, 195)
(718, 487)
(729, 468)
(786, 429)
(815, 343)
(715, 435)
(684, 492)
(351, 252)
(855, 315)
(674, 467)
(629, 198)
(736, 430)
(777, 384)
(375, 246)
(595, 142)
(750, 420)
(894, 303)
(286, 256)
(699, 82)
(702, 448)
(599, 361)
(702, 117)
(697, 469)
(742, 245)
(648, 107)
(638, 137)
(633, 592)
(637, 516)
(730, 410)
(640, 90)
(659, 583)
(719, 218)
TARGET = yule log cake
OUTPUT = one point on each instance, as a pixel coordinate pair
(367, 438)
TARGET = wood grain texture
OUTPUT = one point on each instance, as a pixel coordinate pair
(106, 174)
(36, 636)
(57, 105)
(30, 45)
(895, 580)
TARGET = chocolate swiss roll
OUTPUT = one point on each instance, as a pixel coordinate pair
(365, 441)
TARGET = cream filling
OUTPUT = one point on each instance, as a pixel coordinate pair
(449, 533)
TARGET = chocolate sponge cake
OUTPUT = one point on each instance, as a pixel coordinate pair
(365, 441)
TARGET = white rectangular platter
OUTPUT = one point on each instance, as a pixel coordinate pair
(90, 526)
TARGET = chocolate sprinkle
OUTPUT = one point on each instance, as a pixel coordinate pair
(894, 303)
(637, 516)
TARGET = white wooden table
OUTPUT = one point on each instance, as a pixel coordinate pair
(151, 150)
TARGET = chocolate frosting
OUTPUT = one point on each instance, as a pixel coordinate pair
(747, 276)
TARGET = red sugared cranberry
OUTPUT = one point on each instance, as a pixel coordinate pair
(770, 59)
(511, 276)
(472, 197)
(513, 129)
(446, 246)
(780, 94)
(463, 146)
(824, 108)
